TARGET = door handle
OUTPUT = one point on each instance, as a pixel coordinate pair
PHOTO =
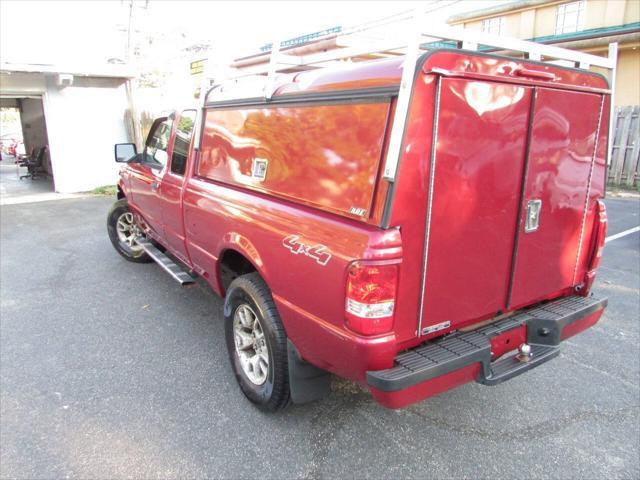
(532, 221)
(526, 72)
(154, 185)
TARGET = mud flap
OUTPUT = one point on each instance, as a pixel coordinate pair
(307, 382)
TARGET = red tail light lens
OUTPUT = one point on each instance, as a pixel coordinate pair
(371, 297)
(600, 235)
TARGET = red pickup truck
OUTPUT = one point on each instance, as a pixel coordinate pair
(472, 265)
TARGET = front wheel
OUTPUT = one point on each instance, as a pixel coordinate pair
(257, 343)
(122, 233)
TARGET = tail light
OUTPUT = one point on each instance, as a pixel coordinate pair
(600, 235)
(597, 245)
(371, 297)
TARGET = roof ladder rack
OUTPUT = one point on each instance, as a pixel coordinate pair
(361, 43)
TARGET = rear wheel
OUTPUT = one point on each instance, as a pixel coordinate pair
(123, 231)
(257, 342)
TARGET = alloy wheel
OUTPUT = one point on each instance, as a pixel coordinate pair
(126, 229)
(251, 345)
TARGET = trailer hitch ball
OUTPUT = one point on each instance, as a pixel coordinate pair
(524, 353)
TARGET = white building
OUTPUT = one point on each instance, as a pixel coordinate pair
(78, 113)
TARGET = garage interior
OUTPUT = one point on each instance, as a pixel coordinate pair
(33, 132)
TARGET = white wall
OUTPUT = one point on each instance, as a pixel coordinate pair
(84, 121)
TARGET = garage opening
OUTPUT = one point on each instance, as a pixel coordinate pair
(25, 168)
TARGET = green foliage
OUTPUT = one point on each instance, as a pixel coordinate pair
(10, 122)
(105, 190)
(185, 124)
(623, 189)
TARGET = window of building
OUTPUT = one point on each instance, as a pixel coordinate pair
(184, 131)
(570, 17)
(495, 26)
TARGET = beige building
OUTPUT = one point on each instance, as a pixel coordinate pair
(586, 25)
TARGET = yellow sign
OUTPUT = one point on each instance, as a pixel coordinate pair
(197, 67)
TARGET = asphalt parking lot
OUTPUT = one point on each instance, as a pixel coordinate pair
(109, 369)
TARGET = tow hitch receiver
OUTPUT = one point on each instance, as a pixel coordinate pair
(546, 325)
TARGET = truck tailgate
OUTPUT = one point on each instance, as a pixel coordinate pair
(509, 181)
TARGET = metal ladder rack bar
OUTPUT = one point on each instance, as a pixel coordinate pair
(279, 60)
(438, 33)
(350, 47)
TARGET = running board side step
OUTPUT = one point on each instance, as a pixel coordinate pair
(168, 265)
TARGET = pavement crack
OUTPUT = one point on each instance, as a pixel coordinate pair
(375, 422)
(535, 431)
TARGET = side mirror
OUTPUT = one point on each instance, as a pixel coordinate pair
(125, 152)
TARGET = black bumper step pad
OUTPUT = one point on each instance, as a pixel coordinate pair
(457, 350)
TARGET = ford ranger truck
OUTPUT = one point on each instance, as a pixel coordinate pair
(473, 265)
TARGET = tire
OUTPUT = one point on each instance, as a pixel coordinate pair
(129, 250)
(267, 387)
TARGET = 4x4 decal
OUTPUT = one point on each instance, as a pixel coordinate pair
(319, 253)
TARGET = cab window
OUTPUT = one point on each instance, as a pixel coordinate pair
(158, 143)
(184, 132)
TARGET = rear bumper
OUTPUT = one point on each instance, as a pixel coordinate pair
(461, 357)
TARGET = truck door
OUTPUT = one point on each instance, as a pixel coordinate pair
(474, 178)
(145, 177)
(557, 180)
(508, 183)
(171, 187)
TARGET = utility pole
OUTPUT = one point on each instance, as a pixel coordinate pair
(130, 86)
(128, 52)
(132, 3)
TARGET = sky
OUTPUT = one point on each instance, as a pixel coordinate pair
(90, 32)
